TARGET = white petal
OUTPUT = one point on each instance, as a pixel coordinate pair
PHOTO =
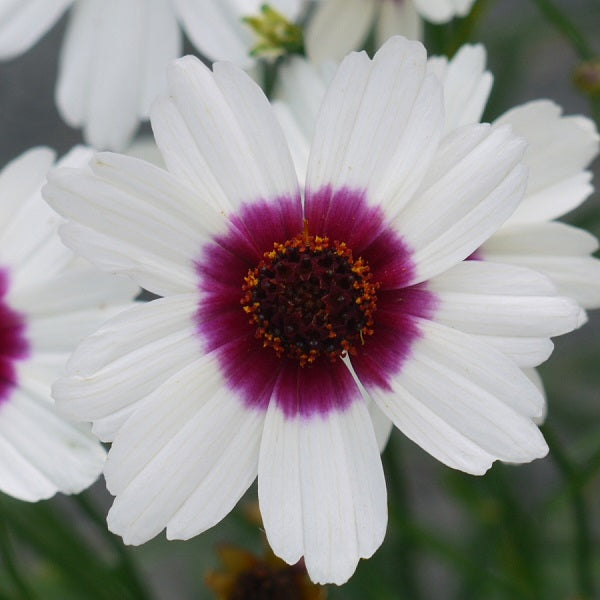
(553, 201)
(156, 275)
(534, 376)
(298, 143)
(558, 250)
(331, 511)
(299, 93)
(21, 178)
(524, 351)
(337, 27)
(62, 332)
(112, 65)
(547, 239)
(228, 123)
(398, 18)
(24, 22)
(150, 225)
(78, 287)
(161, 43)
(464, 402)
(183, 157)
(441, 11)
(144, 147)
(183, 459)
(501, 300)
(474, 183)
(576, 277)
(28, 241)
(215, 27)
(559, 149)
(382, 425)
(43, 453)
(291, 9)
(379, 126)
(114, 369)
(302, 86)
(466, 84)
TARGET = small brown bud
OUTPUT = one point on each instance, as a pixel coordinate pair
(587, 77)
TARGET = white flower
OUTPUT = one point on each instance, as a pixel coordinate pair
(48, 302)
(284, 320)
(115, 53)
(339, 26)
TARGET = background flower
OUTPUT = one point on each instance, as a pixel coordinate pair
(339, 26)
(49, 302)
(115, 54)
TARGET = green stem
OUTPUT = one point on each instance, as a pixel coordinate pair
(574, 485)
(568, 29)
(58, 543)
(576, 38)
(518, 532)
(583, 544)
(465, 28)
(446, 551)
(399, 502)
(127, 565)
(10, 563)
(503, 540)
(269, 73)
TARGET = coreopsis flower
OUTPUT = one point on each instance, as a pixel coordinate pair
(286, 316)
(339, 26)
(115, 54)
(245, 575)
(48, 302)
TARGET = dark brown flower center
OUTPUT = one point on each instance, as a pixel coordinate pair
(266, 583)
(309, 297)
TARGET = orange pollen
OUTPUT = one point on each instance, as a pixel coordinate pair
(309, 298)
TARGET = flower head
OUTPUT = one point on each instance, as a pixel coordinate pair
(48, 302)
(246, 575)
(115, 54)
(288, 317)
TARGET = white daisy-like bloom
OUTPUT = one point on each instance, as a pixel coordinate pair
(49, 301)
(115, 53)
(339, 26)
(286, 316)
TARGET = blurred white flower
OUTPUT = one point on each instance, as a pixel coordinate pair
(284, 320)
(339, 26)
(115, 53)
(49, 301)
